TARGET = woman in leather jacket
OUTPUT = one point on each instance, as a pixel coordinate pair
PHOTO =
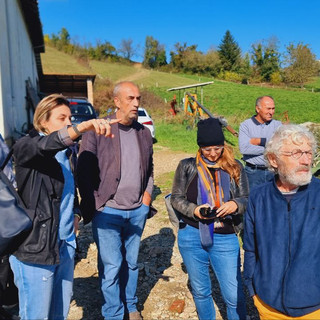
(43, 263)
(210, 194)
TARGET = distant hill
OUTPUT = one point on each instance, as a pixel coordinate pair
(54, 61)
(232, 100)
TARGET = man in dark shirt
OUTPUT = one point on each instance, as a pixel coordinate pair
(115, 178)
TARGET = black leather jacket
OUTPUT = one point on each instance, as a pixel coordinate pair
(39, 176)
(185, 173)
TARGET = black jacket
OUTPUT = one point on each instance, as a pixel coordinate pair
(40, 179)
(185, 173)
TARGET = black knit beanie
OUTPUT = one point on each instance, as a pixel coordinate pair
(210, 133)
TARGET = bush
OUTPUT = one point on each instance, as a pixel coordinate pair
(155, 105)
(256, 78)
(276, 78)
(103, 99)
(232, 76)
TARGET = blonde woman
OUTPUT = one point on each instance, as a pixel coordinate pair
(43, 263)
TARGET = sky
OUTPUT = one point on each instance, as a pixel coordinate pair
(201, 22)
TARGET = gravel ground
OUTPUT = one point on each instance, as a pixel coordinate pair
(162, 277)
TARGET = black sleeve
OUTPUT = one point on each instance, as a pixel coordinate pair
(29, 148)
(88, 176)
(178, 197)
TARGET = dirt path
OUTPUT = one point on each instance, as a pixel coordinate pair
(162, 278)
(140, 73)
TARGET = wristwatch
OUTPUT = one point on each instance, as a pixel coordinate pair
(76, 130)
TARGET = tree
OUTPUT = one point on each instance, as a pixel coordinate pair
(154, 53)
(187, 59)
(64, 37)
(302, 64)
(212, 63)
(194, 62)
(54, 39)
(62, 41)
(178, 56)
(229, 52)
(265, 57)
(127, 49)
(200, 63)
(101, 51)
(162, 57)
(104, 50)
(245, 68)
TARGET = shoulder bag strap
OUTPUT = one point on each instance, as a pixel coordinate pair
(7, 159)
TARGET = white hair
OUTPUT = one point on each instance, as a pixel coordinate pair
(288, 132)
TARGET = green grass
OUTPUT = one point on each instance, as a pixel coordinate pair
(314, 85)
(112, 71)
(54, 61)
(234, 101)
(159, 79)
(143, 77)
(182, 137)
(176, 136)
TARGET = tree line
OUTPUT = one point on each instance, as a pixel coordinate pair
(264, 63)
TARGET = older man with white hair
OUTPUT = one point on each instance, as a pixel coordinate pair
(282, 231)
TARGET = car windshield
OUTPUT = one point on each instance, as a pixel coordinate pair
(81, 109)
(141, 113)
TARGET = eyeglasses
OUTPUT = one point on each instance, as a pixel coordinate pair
(215, 149)
(297, 153)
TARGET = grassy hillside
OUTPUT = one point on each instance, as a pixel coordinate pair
(234, 101)
(54, 61)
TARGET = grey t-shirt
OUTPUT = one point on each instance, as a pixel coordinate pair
(129, 193)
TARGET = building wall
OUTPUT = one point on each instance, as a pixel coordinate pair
(17, 64)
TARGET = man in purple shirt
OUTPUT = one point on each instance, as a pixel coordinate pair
(253, 135)
(115, 178)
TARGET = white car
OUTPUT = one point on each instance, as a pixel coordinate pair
(145, 119)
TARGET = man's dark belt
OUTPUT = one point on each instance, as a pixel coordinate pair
(254, 166)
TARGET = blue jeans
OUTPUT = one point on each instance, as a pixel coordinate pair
(224, 257)
(117, 234)
(45, 291)
(257, 176)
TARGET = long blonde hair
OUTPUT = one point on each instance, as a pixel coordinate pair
(44, 109)
(228, 163)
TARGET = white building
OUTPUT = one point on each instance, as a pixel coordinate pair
(21, 41)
